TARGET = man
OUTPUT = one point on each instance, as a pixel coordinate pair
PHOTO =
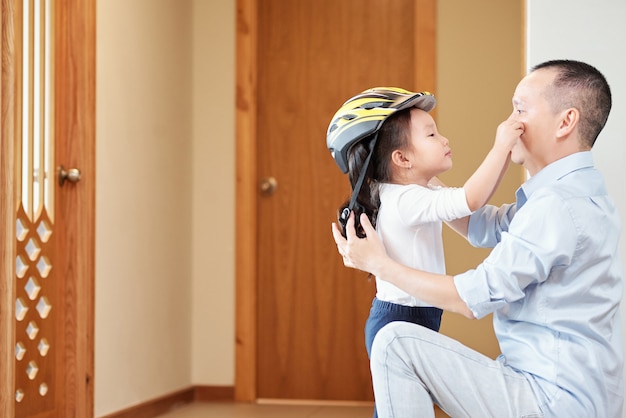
(553, 280)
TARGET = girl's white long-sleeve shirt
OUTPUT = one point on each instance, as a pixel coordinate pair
(409, 224)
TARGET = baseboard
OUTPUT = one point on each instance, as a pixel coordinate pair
(214, 393)
(166, 403)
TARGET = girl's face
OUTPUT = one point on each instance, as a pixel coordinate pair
(429, 153)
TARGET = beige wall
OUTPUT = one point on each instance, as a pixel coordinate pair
(479, 63)
(165, 178)
(144, 201)
(213, 329)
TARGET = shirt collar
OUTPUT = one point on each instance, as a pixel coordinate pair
(553, 172)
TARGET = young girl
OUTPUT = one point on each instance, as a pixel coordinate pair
(389, 144)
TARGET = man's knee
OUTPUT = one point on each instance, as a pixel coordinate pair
(391, 333)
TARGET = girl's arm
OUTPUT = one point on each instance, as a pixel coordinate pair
(459, 225)
(482, 184)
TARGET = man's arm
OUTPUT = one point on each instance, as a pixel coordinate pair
(368, 254)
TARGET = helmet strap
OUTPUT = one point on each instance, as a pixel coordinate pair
(359, 183)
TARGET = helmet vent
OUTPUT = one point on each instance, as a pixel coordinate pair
(372, 105)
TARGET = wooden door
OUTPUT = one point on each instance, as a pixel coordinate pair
(48, 113)
(301, 313)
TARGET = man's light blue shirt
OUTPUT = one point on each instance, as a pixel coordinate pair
(554, 284)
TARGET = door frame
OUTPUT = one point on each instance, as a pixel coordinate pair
(7, 214)
(75, 139)
(246, 174)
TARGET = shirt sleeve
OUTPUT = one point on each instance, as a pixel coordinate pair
(487, 224)
(421, 204)
(542, 238)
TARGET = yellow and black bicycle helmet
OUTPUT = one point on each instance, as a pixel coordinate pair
(363, 115)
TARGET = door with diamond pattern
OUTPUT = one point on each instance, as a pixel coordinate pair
(46, 291)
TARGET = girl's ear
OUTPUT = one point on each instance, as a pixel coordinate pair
(398, 158)
(569, 121)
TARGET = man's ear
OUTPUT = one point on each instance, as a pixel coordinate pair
(568, 122)
(399, 159)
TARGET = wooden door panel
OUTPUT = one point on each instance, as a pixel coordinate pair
(312, 56)
(48, 120)
(75, 136)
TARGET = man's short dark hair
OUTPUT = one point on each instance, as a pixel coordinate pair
(583, 87)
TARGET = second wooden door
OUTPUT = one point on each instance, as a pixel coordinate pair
(312, 56)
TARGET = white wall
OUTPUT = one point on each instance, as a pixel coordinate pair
(592, 32)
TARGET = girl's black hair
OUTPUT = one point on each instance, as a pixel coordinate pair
(393, 135)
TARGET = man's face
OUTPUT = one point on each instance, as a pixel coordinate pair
(531, 107)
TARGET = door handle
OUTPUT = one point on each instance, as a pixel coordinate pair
(71, 174)
(268, 186)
